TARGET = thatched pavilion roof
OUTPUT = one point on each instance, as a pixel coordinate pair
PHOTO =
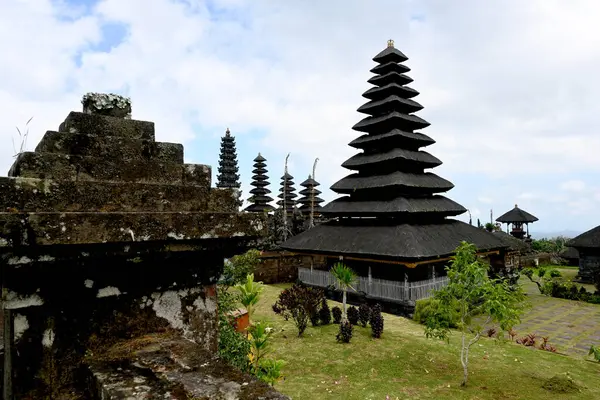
(516, 215)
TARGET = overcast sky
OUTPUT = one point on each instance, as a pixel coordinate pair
(510, 87)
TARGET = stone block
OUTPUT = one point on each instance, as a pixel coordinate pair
(36, 165)
(41, 229)
(68, 167)
(107, 147)
(94, 124)
(224, 200)
(35, 195)
(197, 174)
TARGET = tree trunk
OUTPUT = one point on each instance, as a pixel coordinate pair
(344, 304)
(464, 354)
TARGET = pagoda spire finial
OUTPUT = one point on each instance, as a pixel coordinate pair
(227, 132)
(516, 206)
(390, 43)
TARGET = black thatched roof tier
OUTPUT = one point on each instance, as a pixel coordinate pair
(390, 77)
(426, 183)
(589, 239)
(516, 215)
(390, 103)
(260, 201)
(402, 242)
(383, 69)
(511, 242)
(307, 192)
(390, 54)
(392, 120)
(421, 159)
(346, 206)
(388, 90)
(393, 138)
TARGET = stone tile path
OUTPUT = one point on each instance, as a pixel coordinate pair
(571, 325)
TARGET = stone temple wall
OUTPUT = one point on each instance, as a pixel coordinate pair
(110, 248)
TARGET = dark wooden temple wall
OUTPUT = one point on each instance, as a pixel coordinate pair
(589, 264)
(282, 266)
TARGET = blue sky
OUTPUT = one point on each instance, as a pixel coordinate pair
(514, 118)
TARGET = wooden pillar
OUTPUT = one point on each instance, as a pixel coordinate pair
(7, 392)
(406, 288)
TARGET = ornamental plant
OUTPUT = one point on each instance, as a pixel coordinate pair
(337, 314)
(324, 313)
(364, 314)
(353, 315)
(345, 333)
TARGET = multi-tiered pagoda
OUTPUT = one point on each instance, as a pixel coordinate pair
(228, 166)
(310, 200)
(287, 193)
(392, 219)
(260, 194)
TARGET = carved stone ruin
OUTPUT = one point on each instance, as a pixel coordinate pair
(110, 248)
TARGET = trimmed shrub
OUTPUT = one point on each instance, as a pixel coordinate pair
(325, 313)
(299, 296)
(300, 319)
(345, 333)
(337, 314)
(353, 315)
(376, 323)
(364, 314)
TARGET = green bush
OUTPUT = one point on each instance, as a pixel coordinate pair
(238, 267)
(426, 308)
(234, 347)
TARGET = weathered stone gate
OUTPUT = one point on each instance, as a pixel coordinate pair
(110, 247)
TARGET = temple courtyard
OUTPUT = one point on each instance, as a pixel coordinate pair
(404, 364)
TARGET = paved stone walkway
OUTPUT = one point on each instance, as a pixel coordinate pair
(572, 326)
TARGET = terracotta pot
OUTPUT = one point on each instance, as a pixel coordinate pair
(240, 319)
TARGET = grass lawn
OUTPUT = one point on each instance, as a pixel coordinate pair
(403, 364)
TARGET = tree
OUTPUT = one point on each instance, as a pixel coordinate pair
(345, 277)
(473, 293)
(238, 267)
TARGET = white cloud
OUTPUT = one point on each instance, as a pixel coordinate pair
(509, 93)
(573, 186)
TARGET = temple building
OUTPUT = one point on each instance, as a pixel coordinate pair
(588, 246)
(391, 223)
(228, 166)
(310, 199)
(260, 198)
(517, 218)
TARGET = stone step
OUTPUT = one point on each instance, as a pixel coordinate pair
(94, 124)
(68, 167)
(85, 228)
(37, 195)
(176, 369)
(107, 147)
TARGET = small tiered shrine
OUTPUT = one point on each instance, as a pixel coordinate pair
(228, 165)
(391, 221)
(516, 218)
(310, 200)
(260, 198)
(287, 193)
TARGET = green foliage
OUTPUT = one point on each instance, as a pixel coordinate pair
(234, 347)
(427, 308)
(325, 313)
(553, 246)
(249, 292)
(337, 314)
(300, 318)
(364, 314)
(471, 291)
(267, 370)
(238, 267)
(345, 333)
(542, 276)
(345, 278)
(595, 352)
(353, 315)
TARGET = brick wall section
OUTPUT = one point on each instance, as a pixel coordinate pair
(282, 266)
